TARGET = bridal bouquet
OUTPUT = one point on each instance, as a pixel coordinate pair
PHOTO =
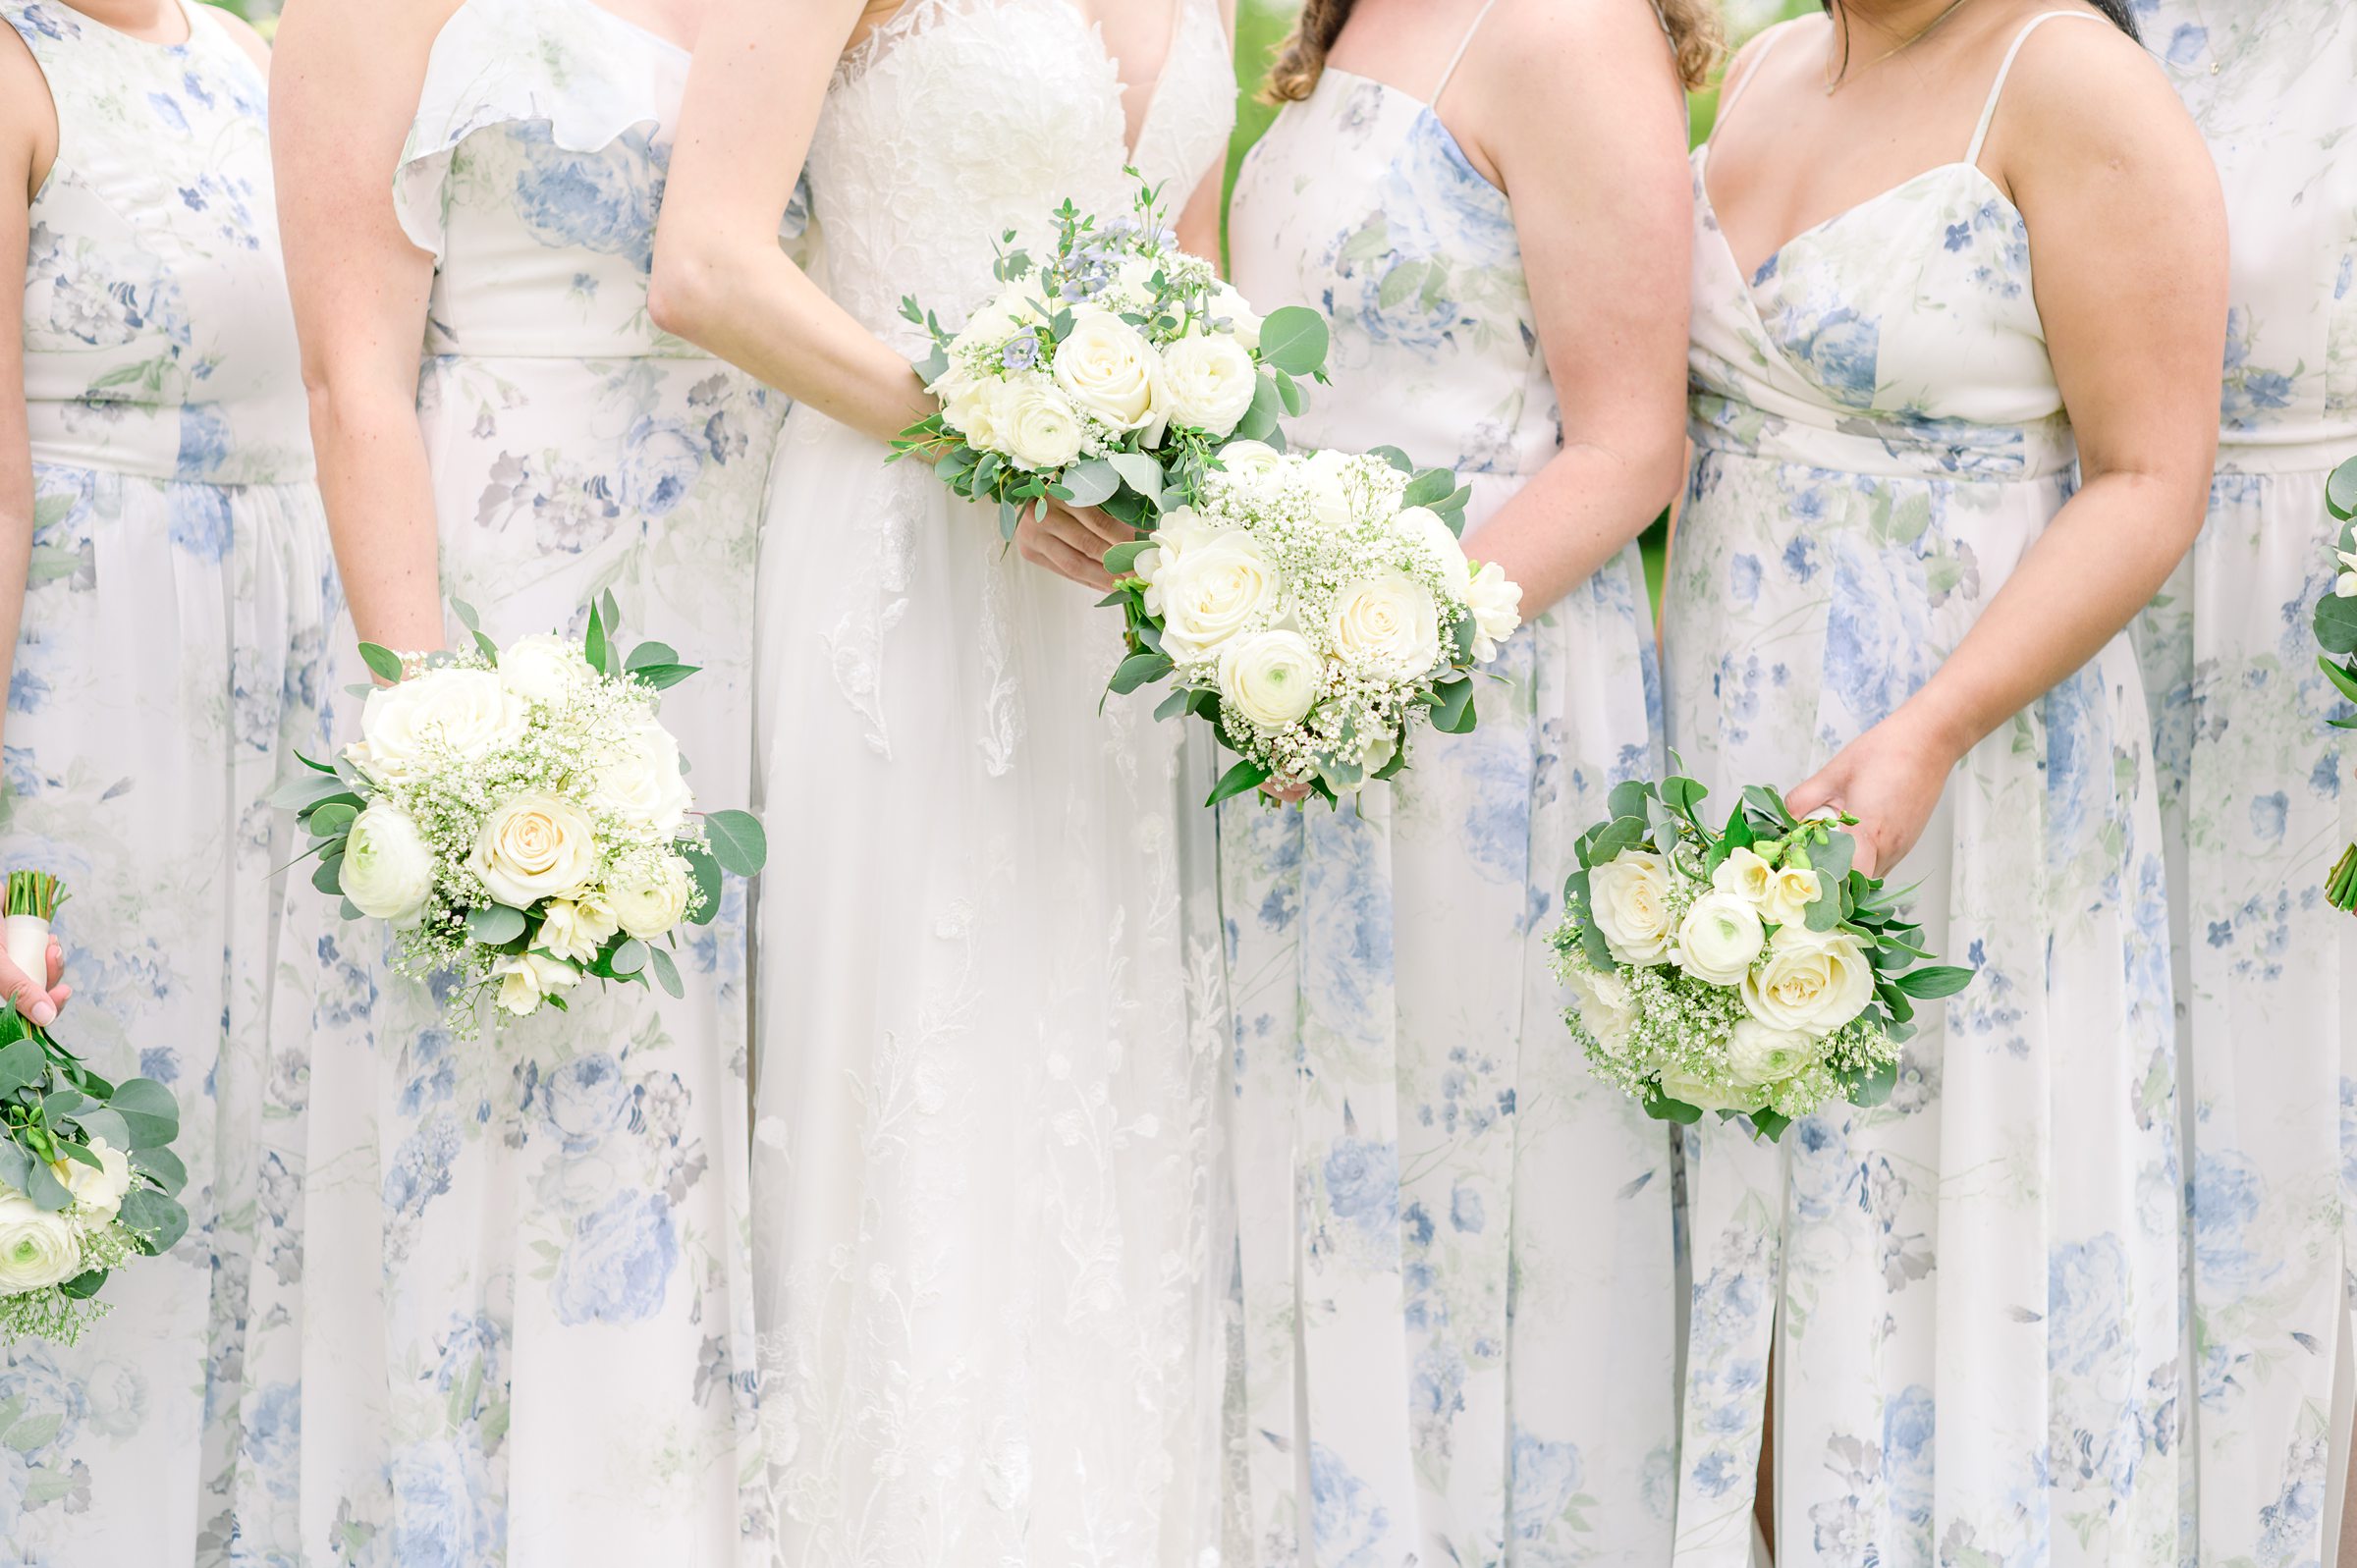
(2336, 633)
(519, 814)
(1313, 608)
(1105, 374)
(1751, 971)
(87, 1177)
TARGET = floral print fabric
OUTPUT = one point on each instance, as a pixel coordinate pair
(2256, 787)
(525, 1302)
(172, 648)
(1972, 1293)
(1452, 1237)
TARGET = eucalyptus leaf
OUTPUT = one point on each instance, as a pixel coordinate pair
(157, 1221)
(1770, 1124)
(1138, 472)
(23, 1065)
(162, 1167)
(332, 820)
(1394, 457)
(1259, 421)
(16, 1163)
(1661, 1108)
(2341, 491)
(651, 653)
(1122, 560)
(1139, 669)
(1176, 705)
(706, 873)
(495, 925)
(149, 1112)
(328, 874)
(48, 1193)
(2336, 624)
(1429, 487)
(1245, 775)
(1871, 1087)
(1452, 714)
(81, 1287)
(1089, 482)
(1293, 339)
(628, 957)
(737, 841)
(382, 661)
(667, 973)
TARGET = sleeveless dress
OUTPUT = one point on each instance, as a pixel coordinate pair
(527, 1309)
(987, 1039)
(1973, 1291)
(1452, 1237)
(173, 650)
(2256, 793)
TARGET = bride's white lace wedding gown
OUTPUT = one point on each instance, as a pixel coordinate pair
(987, 1030)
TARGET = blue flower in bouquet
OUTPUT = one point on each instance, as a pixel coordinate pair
(619, 1263)
(1022, 351)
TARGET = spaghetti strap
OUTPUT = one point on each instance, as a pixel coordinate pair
(1457, 59)
(1731, 96)
(1980, 133)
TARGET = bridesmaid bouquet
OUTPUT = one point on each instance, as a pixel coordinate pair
(1313, 609)
(1751, 971)
(1105, 375)
(87, 1177)
(2336, 633)
(519, 814)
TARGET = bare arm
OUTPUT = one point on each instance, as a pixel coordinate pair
(1578, 113)
(1200, 221)
(344, 90)
(2129, 247)
(720, 281)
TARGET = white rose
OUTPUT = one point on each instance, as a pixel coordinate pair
(576, 928)
(1628, 898)
(36, 1250)
(1389, 624)
(1422, 526)
(1813, 982)
(1790, 892)
(1329, 497)
(465, 712)
(97, 1193)
(1718, 938)
(542, 667)
(1034, 424)
(1244, 324)
(1497, 606)
(533, 848)
(1761, 1056)
(1604, 1008)
(976, 408)
(1250, 461)
(388, 872)
(1210, 592)
(1679, 1084)
(1133, 286)
(1178, 532)
(650, 896)
(527, 977)
(1018, 306)
(641, 779)
(1271, 677)
(1207, 383)
(1106, 366)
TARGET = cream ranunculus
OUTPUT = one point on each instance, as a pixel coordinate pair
(1250, 461)
(533, 848)
(467, 713)
(1389, 624)
(1271, 677)
(388, 872)
(1679, 1084)
(1034, 424)
(1718, 938)
(1761, 1056)
(542, 667)
(1207, 383)
(576, 928)
(1628, 898)
(1244, 324)
(36, 1250)
(1106, 366)
(640, 780)
(526, 979)
(650, 894)
(1211, 592)
(1790, 892)
(1813, 982)
(97, 1193)
(1497, 606)
(1604, 1007)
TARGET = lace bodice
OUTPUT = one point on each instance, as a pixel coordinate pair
(158, 339)
(958, 119)
(533, 172)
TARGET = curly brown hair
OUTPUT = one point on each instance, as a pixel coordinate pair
(1693, 27)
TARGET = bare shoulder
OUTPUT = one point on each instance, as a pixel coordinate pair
(360, 37)
(1783, 36)
(27, 117)
(2081, 88)
(241, 33)
(1571, 57)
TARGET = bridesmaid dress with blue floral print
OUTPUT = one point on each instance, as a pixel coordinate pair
(173, 651)
(1973, 1291)
(1455, 1241)
(2256, 788)
(528, 1326)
